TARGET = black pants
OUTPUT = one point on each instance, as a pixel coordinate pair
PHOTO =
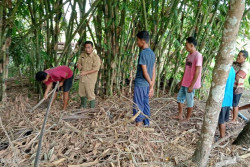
(67, 84)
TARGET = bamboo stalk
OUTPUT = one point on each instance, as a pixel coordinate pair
(68, 42)
(36, 164)
(40, 102)
(145, 15)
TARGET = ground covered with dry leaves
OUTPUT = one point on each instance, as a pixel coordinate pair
(106, 136)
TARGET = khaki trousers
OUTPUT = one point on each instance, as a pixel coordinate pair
(87, 90)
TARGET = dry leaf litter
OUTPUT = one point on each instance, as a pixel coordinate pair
(106, 135)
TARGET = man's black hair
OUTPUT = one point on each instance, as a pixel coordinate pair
(245, 53)
(41, 75)
(191, 40)
(88, 42)
(144, 35)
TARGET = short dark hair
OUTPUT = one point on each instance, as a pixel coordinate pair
(245, 53)
(144, 35)
(41, 75)
(191, 40)
(88, 42)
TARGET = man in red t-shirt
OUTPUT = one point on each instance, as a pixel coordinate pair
(63, 74)
(191, 79)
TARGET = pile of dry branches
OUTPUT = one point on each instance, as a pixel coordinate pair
(105, 136)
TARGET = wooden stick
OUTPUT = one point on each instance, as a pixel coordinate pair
(226, 162)
(160, 109)
(10, 142)
(245, 156)
(237, 131)
(86, 164)
(170, 98)
(74, 117)
(40, 102)
(56, 163)
(36, 164)
(147, 118)
(143, 129)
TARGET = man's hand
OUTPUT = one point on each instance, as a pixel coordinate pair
(190, 89)
(61, 84)
(237, 77)
(79, 66)
(45, 96)
(179, 84)
(151, 92)
(83, 73)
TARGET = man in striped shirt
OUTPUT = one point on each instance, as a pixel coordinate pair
(241, 68)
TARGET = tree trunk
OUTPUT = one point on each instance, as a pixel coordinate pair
(1, 53)
(5, 67)
(82, 6)
(244, 136)
(223, 64)
(145, 15)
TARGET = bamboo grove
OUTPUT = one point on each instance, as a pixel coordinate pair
(32, 31)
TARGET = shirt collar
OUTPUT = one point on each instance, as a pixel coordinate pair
(193, 53)
(86, 55)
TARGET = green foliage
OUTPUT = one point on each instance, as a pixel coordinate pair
(113, 27)
(13, 71)
(75, 86)
(247, 82)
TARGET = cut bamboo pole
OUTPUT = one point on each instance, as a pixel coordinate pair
(40, 102)
(36, 164)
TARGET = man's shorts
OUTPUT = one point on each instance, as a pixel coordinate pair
(224, 115)
(236, 99)
(183, 96)
(67, 84)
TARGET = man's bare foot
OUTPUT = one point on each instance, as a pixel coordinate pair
(233, 122)
(177, 117)
(63, 108)
(139, 124)
(184, 120)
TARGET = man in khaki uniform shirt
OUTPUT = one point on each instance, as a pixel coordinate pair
(88, 63)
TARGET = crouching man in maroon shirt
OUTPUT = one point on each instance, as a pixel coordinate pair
(49, 77)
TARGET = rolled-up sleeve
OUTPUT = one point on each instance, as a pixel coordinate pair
(242, 74)
(97, 63)
(79, 61)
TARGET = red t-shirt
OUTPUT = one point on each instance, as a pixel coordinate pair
(58, 74)
(193, 60)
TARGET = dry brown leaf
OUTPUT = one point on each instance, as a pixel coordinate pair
(58, 161)
(85, 164)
